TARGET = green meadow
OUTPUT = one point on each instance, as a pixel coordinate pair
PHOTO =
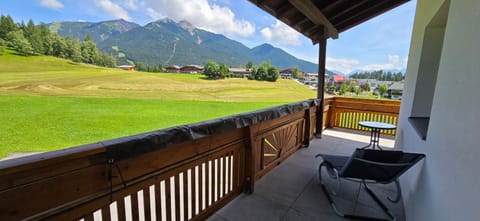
(48, 103)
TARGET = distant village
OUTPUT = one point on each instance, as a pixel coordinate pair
(334, 84)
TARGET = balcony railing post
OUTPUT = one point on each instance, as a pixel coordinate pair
(332, 112)
(250, 160)
(306, 128)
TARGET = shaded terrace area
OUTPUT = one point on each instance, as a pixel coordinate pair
(292, 191)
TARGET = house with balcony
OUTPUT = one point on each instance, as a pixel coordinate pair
(287, 73)
(310, 79)
(128, 67)
(173, 69)
(261, 165)
(191, 69)
(240, 72)
(395, 90)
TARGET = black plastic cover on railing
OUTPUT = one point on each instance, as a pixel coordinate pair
(135, 145)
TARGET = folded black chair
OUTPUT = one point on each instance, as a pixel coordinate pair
(368, 166)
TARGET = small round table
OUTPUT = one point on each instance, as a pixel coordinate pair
(375, 128)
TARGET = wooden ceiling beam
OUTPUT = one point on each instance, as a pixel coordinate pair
(283, 9)
(310, 10)
(333, 5)
(368, 13)
(347, 10)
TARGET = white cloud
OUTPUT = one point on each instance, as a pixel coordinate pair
(113, 9)
(52, 4)
(342, 64)
(201, 14)
(131, 4)
(154, 14)
(281, 33)
(393, 63)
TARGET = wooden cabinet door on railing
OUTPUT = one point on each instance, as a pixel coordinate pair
(275, 140)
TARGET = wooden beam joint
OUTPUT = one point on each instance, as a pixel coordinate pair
(310, 10)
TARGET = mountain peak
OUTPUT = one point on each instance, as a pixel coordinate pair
(165, 20)
(186, 25)
(265, 46)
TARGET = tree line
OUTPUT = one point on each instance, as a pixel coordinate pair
(379, 75)
(140, 66)
(31, 39)
(264, 72)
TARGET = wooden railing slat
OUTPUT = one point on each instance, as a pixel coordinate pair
(212, 182)
(88, 217)
(185, 195)
(225, 173)
(158, 201)
(121, 209)
(134, 203)
(106, 213)
(177, 197)
(201, 189)
(193, 185)
(219, 178)
(168, 200)
(146, 203)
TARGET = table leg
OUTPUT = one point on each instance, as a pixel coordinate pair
(376, 139)
(372, 135)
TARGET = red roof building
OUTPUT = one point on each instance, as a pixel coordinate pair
(338, 78)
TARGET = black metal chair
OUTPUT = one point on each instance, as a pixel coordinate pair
(367, 166)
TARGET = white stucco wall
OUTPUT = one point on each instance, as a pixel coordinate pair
(446, 186)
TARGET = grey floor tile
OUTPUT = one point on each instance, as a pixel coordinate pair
(252, 207)
(216, 217)
(294, 215)
(292, 191)
(284, 184)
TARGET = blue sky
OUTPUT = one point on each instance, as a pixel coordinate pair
(381, 43)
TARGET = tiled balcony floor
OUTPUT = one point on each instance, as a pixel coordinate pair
(292, 192)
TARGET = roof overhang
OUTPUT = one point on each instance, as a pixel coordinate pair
(322, 19)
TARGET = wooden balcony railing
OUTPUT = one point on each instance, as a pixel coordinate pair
(180, 173)
(347, 112)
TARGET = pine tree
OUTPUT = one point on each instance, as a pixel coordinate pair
(223, 70)
(59, 47)
(32, 34)
(6, 26)
(73, 49)
(89, 50)
(46, 39)
(2, 46)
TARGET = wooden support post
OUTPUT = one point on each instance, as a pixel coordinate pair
(320, 84)
(250, 160)
(306, 133)
(332, 113)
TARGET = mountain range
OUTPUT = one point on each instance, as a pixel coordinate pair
(168, 42)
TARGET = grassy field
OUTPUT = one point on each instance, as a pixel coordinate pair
(49, 76)
(48, 103)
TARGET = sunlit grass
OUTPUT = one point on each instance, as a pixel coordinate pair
(48, 103)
